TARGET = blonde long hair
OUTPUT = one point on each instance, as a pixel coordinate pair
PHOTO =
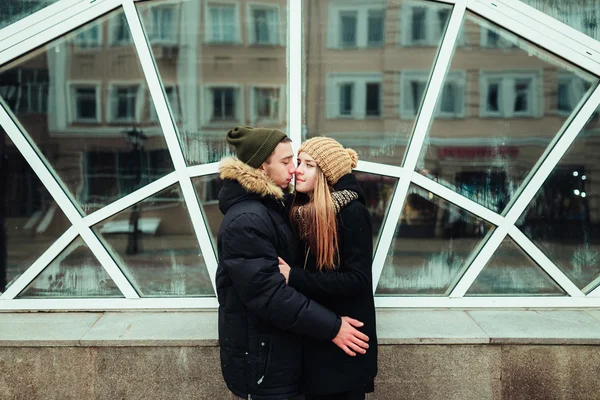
(321, 232)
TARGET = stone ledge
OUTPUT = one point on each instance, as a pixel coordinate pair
(395, 327)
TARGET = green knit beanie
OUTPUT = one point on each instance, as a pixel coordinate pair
(254, 145)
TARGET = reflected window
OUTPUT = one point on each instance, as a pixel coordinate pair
(348, 28)
(163, 24)
(570, 90)
(491, 38)
(266, 105)
(509, 94)
(375, 25)
(119, 31)
(423, 25)
(359, 25)
(110, 175)
(33, 91)
(25, 90)
(85, 103)
(224, 103)
(173, 100)
(354, 95)
(222, 23)
(89, 38)
(346, 98)
(125, 103)
(373, 103)
(452, 101)
(264, 24)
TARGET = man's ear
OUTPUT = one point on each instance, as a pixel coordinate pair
(262, 168)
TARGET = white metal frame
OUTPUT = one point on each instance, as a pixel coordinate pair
(58, 19)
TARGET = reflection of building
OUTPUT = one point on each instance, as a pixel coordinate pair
(366, 69)
(502, 102)
(77, 96)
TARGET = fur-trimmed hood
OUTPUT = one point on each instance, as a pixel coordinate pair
(250, 178)
(241, 182)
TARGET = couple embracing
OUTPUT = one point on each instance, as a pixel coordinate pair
(296, 310)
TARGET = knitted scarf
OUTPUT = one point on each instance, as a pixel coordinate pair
(340, 200)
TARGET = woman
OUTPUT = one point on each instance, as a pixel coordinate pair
(330, 217)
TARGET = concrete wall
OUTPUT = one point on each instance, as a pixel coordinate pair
(460, 372)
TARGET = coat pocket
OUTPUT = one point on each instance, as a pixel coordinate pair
(264, 359)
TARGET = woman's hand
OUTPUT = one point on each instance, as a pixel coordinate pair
(284, 268)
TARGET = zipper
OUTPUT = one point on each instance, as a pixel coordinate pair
(260, 380)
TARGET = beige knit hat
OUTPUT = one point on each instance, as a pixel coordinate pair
(334, 160)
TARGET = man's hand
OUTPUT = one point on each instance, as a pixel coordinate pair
(284, 268)
(350, 339)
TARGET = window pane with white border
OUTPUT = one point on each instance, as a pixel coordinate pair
(563, 219)
(356, 53)
(226, 66)
(85, 109)
(155, 245)
(499, 110)
(31, 219)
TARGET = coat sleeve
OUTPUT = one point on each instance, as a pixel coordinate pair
(354, 275)
(251, 262)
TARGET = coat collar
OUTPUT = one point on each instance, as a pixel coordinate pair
(251, 179)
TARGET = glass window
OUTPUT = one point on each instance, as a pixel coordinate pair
(75, 273)
(223, 23)
(346, 98)
(207, 191)
(267, 103)
(373, 99)
(423, 24)
(80, 108)
(432, 244)
(510, 272)
(265, 25)
(224, 106)
(12, 11)
(375, 27)
(348, 28)
(157, 247)
(173, 98)
(119, 30)
(162, 26)
(580, 15)
(124, 102)
(563, 217)
(30, 217)
(89, 38)
(508, 111)
(85, 103)
(419, 27)
(357, 56)
(571, 89)
(219, 85)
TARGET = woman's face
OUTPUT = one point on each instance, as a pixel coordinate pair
(306, 173)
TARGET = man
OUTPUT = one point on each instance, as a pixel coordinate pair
(260, 317)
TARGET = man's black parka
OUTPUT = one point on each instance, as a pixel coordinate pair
(347, 291)
(260, 317)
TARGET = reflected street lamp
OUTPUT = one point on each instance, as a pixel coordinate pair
(136, 139)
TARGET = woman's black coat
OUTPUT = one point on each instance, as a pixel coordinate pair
(347, 291)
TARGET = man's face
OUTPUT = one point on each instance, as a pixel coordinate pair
(281, 166)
